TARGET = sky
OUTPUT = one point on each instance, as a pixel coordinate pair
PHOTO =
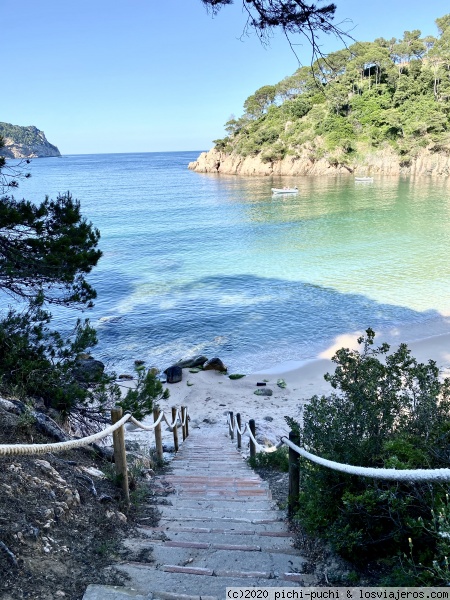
(102, 76)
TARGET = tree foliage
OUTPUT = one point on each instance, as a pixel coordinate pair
(47, 248)
(46, 251)
(393, 93)
(388, 411)
(292, 16)
(142, 399)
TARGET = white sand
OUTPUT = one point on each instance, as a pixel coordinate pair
(212, 395)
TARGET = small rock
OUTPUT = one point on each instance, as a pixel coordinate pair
(88, 369)
(131, 446)
(104, 498)
(95, 472)
(261, 383)
(195, 361)
(214, 364)
(281, 383)
(139, 363)
(125, 376)
(174, 374)
(269, 419)
(263, 392)
(236, 376)
(195, 370)
(190, 383)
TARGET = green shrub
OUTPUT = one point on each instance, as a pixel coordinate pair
(388, 411)
(141, 400)
(278, 460)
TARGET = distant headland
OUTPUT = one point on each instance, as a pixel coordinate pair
(25, 142)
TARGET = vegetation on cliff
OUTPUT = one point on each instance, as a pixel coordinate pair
(383, 94)
(23, 142)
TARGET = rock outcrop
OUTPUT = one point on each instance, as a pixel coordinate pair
(25, 142)
(382, 162)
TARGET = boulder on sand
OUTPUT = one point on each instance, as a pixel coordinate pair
(174, 374)
(195, 361)
(214, 364)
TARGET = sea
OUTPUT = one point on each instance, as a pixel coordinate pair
(217, 265)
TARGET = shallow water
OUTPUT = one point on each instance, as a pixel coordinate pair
(216, 264)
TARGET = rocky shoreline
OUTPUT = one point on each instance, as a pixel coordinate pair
(383, 162)
(25, 142)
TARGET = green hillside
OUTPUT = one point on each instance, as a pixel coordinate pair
(23, 142)
(373, 94)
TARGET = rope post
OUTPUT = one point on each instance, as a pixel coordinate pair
(158, 436)
(175, 428)
(187, 422)
(294, 475)
(183, 422)
(231, 425)
(252, 426)
(238, 435)
(120, 455)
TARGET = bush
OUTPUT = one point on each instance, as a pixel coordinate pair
(389, 411)
(38, 363)
(277, 460)
(141, 400)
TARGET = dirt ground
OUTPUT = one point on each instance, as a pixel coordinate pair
(62, 517)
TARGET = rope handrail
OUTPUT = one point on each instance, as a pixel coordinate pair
(27, 449)
(373, 472)
(30, 449)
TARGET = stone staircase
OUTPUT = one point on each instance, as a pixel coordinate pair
(221, 530)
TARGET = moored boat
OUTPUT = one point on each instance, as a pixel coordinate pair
(285, 190)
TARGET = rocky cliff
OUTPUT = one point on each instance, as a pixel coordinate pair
(383, 162)
(25, 142)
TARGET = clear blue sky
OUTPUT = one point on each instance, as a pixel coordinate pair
(154, 75)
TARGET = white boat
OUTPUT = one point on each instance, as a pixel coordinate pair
(364, 179)
(285, 190)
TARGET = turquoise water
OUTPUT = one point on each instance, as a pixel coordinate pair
(215, 264)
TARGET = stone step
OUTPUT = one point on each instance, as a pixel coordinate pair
(181, 513)
(201, 582)
(223, 523)
(214, 555)
(267, 540)
(217, 541)
(235, 504)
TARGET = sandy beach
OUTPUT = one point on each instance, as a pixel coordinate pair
(210, 395)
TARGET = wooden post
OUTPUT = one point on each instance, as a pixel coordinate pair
(120, 455)
(158, 436)
(294, 475)
(187, 421)
(238, 435)
(183, 418)
(230, 425)
(252, 426)
(175, 428)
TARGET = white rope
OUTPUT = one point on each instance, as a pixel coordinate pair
(174, 423)
(251, 436)
(234, 425)
(246, 429)
(392, 474)
(183, 422)
(27, 449)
